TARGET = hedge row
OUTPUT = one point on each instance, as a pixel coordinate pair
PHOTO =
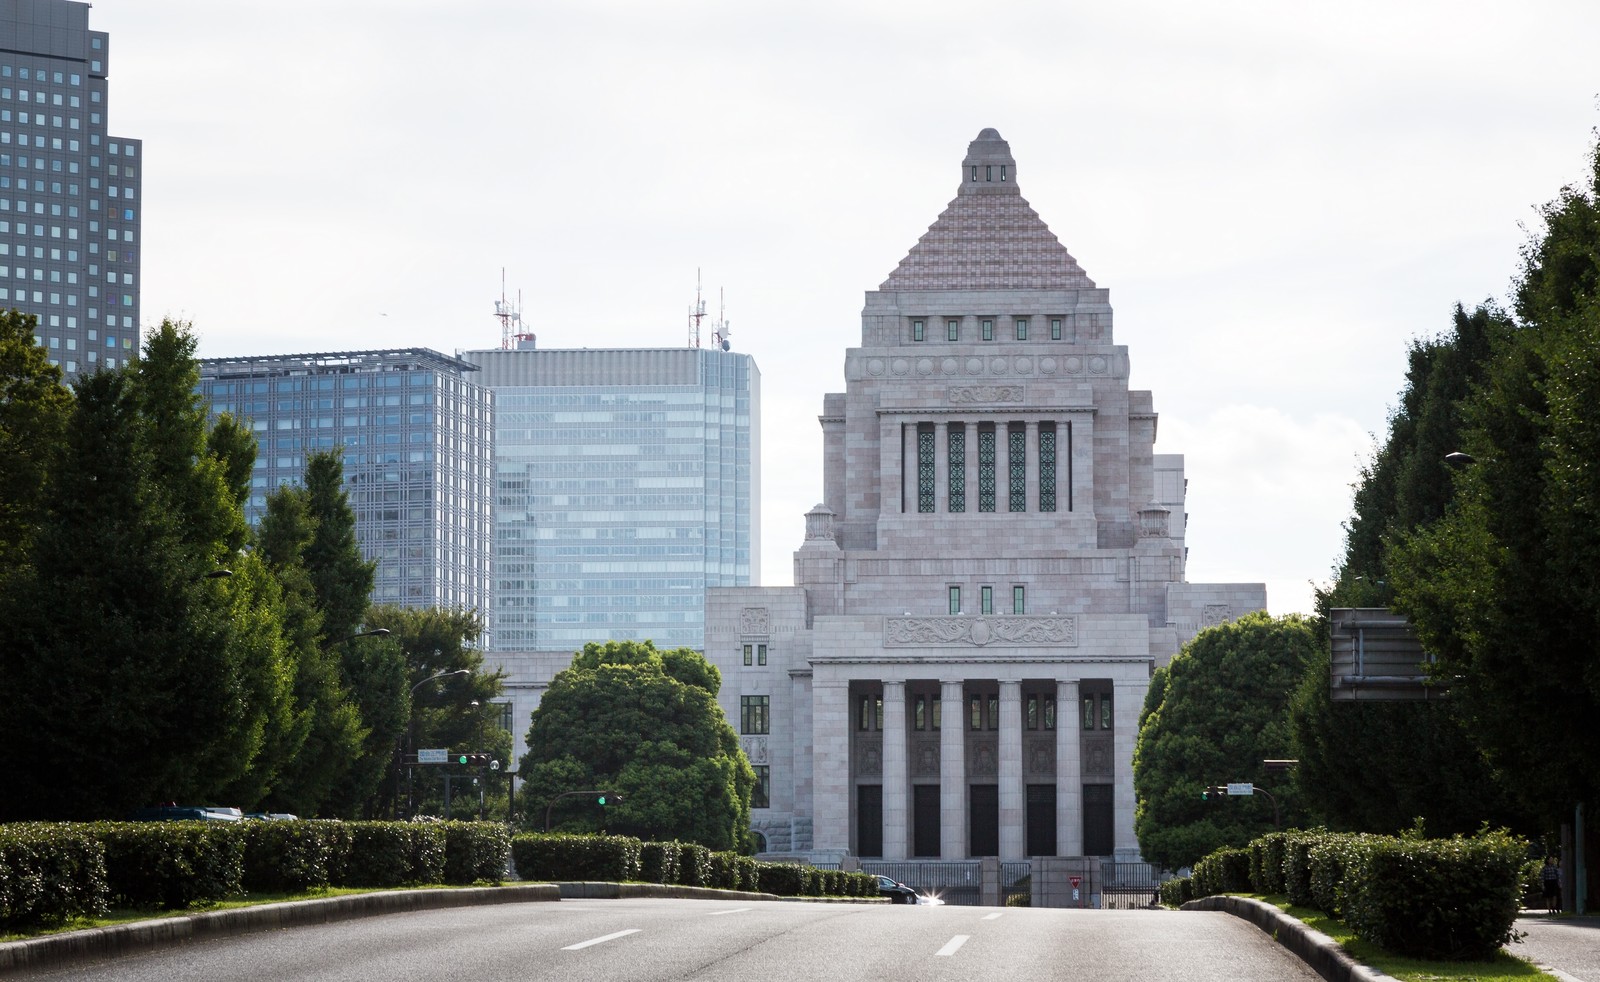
(622, 859)
(1451, 898)
(51, 873)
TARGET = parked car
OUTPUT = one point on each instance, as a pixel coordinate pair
(185, 813)
(897, 892)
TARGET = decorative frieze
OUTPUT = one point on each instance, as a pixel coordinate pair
(754, 620)
(1215, 614)
(755, 747)
(1021, 631)
(978, 395)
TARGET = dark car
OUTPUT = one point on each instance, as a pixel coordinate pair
(897, 892)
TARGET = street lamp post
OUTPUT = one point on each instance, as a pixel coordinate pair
(403, 738)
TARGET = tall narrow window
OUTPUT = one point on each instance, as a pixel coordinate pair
(1105, 711)
(1088, 712)
(1018, 470)
(986, 596)
(918, 331)
(761, 794)
(925, 454)
(919, 715)
(864, 714)
(974, 172)
(975, 713)
(755, 714)
(937, 712)
(749, 652)
(988, 172)
(1047, 467)
(952, 330)
(988, 330)
(1049, 712)
(761, 654)
(1022, 328)
(994, 712)
(1055, 329)
(955, 600)
(986, 464)
(958, 468)
(1019, 600)
(1031, 715)
(1003, 172)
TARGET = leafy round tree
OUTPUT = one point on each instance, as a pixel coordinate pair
(1221, 713)
(644, 725)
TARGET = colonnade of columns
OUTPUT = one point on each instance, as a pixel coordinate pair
(1071, 477)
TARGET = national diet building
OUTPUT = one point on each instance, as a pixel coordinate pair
(995, 569)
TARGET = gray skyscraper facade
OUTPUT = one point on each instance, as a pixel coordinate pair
(627, 484)
(70, 202)
(417, 433)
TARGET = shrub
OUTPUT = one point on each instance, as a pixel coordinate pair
(1437, 898)
(1297, 866)
(285, 857)
(863, 885)
(1328, 861)
(658, 861)
(1266, 862)
(1224, 871)
(392, 854)
(50, 874)
(694, 865)
(171, 864)
(1177, 892)
(539, 856)
(723, 875)
(475, 852)
(748, 873)
(782, 879)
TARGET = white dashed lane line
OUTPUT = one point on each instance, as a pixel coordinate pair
(736, 910)
(952, 946)
(601, 940)
(993, 917)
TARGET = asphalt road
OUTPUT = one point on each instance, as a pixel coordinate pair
(1571, 944)
(647, 940)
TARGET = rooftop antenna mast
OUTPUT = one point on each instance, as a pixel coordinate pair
(724, 329)
(509, 316)
(697, 313)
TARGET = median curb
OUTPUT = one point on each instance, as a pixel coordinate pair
(1313, 947)
(602, 890)
(106, 942)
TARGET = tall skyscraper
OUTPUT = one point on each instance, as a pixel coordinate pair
(417, 432)
(996, 568)
(70, 209)
(627, 483)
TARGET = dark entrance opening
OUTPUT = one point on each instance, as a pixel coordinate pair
(925, 820)
(1099, 836)
(984, 820)
(1041, 819)
(869, 820)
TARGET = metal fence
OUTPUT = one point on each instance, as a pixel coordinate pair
(1016, 879)
(1129, 886)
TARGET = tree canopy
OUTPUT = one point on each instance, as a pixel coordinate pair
(1221, 712)
(645, 725)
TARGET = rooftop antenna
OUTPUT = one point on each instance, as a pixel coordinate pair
(697, 312)
(509, 316)
(720, 335)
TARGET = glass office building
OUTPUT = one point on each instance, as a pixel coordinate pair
(627, 483)
(69, 192)
(417, 434)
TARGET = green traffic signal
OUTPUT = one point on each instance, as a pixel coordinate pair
(462, 759)
(602, 799)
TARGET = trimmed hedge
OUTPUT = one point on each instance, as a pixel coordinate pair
(783, 879)
(540, 856)
(393, 854)
(288, 856)
(1224, 871)
(475, 852)
(1177, 891)
(171, 865)
(50, 874)
(658, 861)
(694, 865)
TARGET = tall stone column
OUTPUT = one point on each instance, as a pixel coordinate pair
(952, 770)
(891, 458)
(1069, 771)
(896, 785)
(1002, 468)
(941, 467)
(1013, 796)
(1082, 462)
(1128, 698)
(831, 773)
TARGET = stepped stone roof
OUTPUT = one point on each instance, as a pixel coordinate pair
(989, 237)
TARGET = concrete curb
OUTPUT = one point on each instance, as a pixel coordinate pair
(105, 942)
(1316, 949)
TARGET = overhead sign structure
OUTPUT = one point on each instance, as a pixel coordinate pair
(435, 755)
(1245, 788)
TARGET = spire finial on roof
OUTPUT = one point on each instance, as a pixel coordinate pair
(989, 167)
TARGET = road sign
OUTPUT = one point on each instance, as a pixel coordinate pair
(437, 755)
(1076, 881)
(1245, 788)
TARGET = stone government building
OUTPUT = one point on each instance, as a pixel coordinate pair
(996, 568)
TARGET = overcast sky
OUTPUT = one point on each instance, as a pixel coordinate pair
(1280, 197)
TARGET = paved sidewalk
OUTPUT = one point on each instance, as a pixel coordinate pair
(1567, 947)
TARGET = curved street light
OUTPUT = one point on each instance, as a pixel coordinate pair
(401, 737)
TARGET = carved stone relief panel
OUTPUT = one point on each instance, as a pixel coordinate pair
(971, 395)
(1215, 614)
(922, 632)
(754, 620)
(869, 759)
(755, 747)
(1040, 756)
(983, 761)
(925, 759)
(1097, 755)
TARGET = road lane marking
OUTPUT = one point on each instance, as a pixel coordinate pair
(953, 946)
(736, 910)
(602, 940)
(994, 916)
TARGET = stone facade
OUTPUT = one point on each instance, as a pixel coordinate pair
(995, 569)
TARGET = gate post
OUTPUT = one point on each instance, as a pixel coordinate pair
(989, 892)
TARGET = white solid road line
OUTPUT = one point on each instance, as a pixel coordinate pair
(601, 940)
(953, 946)
(736, 910)
(994, 916)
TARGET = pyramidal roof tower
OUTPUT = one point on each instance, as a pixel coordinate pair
(995, 569)
(989, 238)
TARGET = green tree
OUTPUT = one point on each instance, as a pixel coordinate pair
(457, 712)
(34, 408)
(645, 724)
(341, 578)
(1222, 713)
(1504, 589)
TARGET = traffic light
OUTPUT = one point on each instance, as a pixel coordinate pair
(607, 797)
(473, 760)
(1215, 791)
